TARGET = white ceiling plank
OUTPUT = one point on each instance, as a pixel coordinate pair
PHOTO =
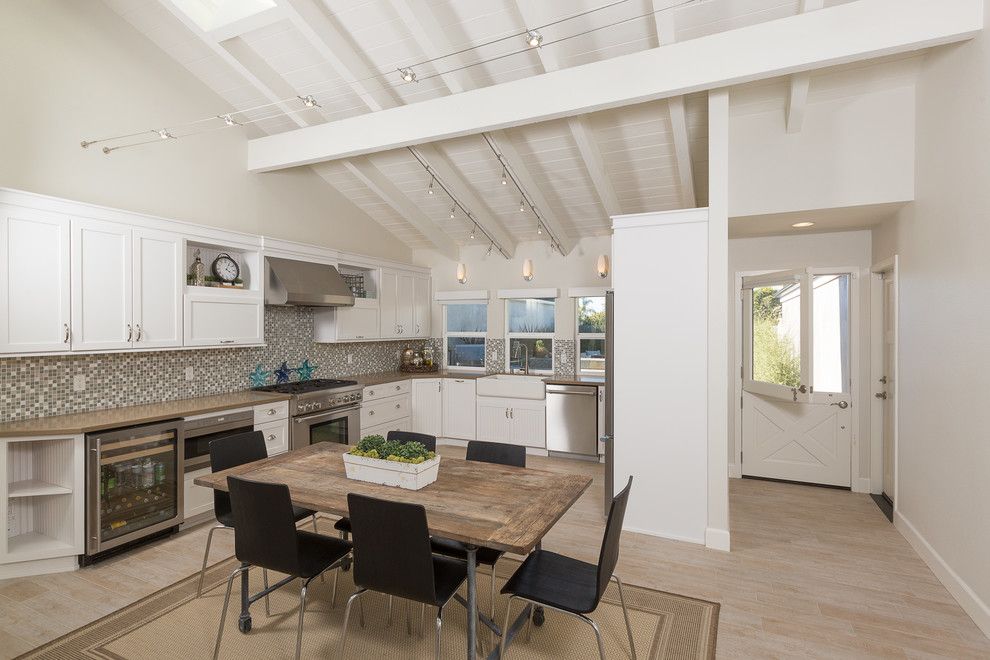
(797, 97)
(464, 191)
(419, 19)
(242, 26)
(333, 45)
(666, 34)
(804, 42)
(235, 64)
(522, 173)
(372, 177)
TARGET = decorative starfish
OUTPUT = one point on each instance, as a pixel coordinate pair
(305, 370)
(259, 377)
(283, 373)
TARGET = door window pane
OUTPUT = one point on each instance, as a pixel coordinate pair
(538, 351)
(465, 352)
(830, 337)
(592, 355)
(467, 318)
(777, 334)
(591, 315)
(531, 315)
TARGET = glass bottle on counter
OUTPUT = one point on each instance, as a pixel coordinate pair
(428, 356)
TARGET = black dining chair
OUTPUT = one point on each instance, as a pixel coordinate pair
(392, 556)
(484, 452)
(265, 535)
(571, 586)
(226, 453)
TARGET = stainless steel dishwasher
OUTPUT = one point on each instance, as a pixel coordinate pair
(572, 419)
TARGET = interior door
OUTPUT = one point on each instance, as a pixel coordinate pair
(101, 286)
(797, 418)
(886, 393)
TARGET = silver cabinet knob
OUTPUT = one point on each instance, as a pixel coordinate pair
(271, 411)
(371, 413)
(842, 404)
(398, 405)
(272, 437)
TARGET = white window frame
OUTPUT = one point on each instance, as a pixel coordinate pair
(476, 335)
(509, 336)
(578, 336)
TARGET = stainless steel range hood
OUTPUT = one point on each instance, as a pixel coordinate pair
(305, 284)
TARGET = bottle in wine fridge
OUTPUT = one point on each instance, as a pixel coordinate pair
(134, 484)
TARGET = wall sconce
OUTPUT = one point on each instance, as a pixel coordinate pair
(528, 270)
(461, 273)
(603, 266)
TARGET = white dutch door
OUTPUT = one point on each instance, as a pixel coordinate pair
(797, 408)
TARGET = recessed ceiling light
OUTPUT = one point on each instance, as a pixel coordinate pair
(534, 38)
(802, 225)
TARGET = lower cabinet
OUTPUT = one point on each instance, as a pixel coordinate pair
(460, 408)
(276, 436)
(387, 407)
(512, 421)
(196, 499)
(404, 424)
(427, 406)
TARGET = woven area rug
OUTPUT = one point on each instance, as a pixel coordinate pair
(173, 623)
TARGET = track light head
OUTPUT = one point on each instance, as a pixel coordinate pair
(408, 74)
(309, 101)
(473, 230)
(534, 38)
(505, 181)
(522, 205)
(227, 119)
(164, 134)
(539, 228)
(491, 246)
(453, 212)
(429, 191)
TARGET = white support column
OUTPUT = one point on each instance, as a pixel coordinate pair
(717, 532)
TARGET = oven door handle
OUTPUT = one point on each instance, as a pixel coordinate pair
(336, 412)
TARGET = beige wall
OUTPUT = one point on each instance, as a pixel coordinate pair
(73, 70)
(943, 465)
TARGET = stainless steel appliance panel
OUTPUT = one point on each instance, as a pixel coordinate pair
(134, 483)
(607, 439)
(201, 430)
(341, 425)
(572, 419)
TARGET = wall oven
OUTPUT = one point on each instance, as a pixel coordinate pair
(341, 425)
(133, 483)
(201, 430)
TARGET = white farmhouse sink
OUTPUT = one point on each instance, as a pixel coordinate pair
(512, 386)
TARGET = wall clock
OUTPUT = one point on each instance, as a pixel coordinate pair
(225, 268)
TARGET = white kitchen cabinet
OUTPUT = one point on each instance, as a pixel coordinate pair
(230, 318)
(196, 500)
(460, 408)
(389, 304)
(102, 285)
(421, 306)
(404, 308)
(427, 406)
(403, 424)
(512, 421)
(386, 407)
(357, 323)
(158, 275)
(34, 281)
(276, 436)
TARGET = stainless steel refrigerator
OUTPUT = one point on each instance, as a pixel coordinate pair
(608, 439)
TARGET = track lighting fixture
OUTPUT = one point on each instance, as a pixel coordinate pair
(429, 191)
(474, 228)
(539, 229)
(227, 119)
(164, 134)
(309, 101)
(453, 212)
(505, 181)
(534, 38)
(491, 247)
(408, 74)
(522, 205)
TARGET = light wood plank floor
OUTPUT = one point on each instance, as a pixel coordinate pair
(813, 573)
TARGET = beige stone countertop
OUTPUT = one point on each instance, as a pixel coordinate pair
(99, 420)
(392, 376)
(575, 380)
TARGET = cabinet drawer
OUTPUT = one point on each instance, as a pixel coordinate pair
(276, 436)
(271, 412)
(386, 410)
(404, 424)
(374, 392)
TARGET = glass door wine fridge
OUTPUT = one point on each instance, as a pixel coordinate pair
(133, 484)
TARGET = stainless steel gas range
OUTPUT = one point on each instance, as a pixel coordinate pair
(322, 410)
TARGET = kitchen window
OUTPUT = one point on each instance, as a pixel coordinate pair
(590, 324)
(465, 327)
(530, 326)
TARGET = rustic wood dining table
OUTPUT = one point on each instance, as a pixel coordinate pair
(479, 504)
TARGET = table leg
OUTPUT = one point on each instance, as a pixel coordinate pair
(472, 598)
(539, 616)
(244, 622)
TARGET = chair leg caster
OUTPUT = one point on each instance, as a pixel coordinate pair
(244, 624)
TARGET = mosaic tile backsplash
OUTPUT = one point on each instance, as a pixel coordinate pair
(43, 386)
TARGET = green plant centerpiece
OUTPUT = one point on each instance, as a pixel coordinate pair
(376, 446)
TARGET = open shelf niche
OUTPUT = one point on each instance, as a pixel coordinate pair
(248, 261)
(362, 280)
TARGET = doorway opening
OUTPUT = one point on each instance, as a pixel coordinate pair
(798, 361)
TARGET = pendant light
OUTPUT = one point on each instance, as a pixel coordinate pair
(527, 270)
(602, 266)
(461, 273)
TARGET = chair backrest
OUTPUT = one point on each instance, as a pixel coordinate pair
(429, 441)
(264, 527)
(392, 551)
(610, 543)
(231, 451)
(496, 452)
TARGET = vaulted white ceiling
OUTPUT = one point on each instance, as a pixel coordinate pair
(346, 53)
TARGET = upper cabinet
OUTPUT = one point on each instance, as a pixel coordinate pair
(405, 305)
(34, 281)
(158, 273)
(421, 306)
(102, 286)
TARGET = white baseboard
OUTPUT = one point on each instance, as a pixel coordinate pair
(964, 595)
(861, 485)
(717, 539)
(663, 535)
(38, 567)
(735, 471)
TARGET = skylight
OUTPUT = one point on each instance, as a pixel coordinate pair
(214, 14)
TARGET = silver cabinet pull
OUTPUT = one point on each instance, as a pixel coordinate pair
(66, 327)
(507, 413)
(271, 411)
(880, 395)
(272, 437)
(130, 332)
(371, 413)
(226, 341)
(139, 332)
(371, 393)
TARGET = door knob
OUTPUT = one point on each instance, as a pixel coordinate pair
(842, 404)
(881, 395)
(803, 389)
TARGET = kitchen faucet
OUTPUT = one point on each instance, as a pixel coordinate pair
(515, 356)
